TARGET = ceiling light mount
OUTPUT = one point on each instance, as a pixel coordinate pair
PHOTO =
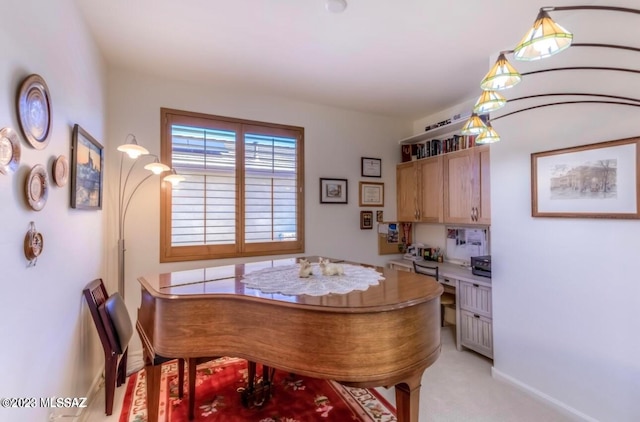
(336, 6)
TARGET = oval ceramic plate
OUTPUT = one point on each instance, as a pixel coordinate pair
(9, 150)
(37, 187)
(61, 171)
(34, 111)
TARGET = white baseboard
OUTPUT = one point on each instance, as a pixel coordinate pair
(81, 414)
(556, 404)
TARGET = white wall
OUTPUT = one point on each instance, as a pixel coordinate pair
(335, 140)
(50, 347)
(565, 291)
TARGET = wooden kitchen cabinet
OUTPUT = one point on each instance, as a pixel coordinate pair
(419, 191)
(467, 186)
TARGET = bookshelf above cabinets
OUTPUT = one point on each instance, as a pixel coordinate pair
(441, 138)
(435, 133)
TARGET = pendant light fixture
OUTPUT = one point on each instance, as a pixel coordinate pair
(501, 76)
(473, 126)
(489, 136)
(544, 39)
(489, 101)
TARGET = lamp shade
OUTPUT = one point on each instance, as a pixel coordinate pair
(174, 178)
(473, 126)
(545, 39)
(157, 167)
(132, 149)
(489, 101)
(501, 76)
(489, 136)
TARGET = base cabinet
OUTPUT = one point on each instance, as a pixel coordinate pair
(476, 325)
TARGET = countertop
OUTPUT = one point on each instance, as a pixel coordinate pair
(448, 269)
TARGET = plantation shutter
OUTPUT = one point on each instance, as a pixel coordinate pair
(270, 188)
(204, 205)
(242, 194)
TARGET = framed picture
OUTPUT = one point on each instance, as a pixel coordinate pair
(86, 170)
(371, 194)
(371, 167)
(366, 220)
(589, 181)
(379, 216)
(333, 191)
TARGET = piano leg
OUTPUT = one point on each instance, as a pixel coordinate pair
(153, 373)
(408, 399)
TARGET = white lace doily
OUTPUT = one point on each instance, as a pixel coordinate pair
(286, 280)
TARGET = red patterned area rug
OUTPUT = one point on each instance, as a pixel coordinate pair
(295, 398)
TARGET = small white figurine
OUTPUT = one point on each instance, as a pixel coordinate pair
(305, 269)
(329, 268)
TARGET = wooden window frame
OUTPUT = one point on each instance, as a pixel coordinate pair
(240, 248)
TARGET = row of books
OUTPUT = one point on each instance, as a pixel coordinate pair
(436, 147)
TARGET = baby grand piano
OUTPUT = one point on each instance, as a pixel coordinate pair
(386, 335)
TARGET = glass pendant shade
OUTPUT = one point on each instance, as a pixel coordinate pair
(157, 167)
(473, 126)
(489, 136)
(501, 76)
(489, 101)
(174, 178)
(132, 149)
(545, 39)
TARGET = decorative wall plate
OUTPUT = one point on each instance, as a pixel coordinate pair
(33, 244)
(34, 111)
(9, 150)
(61, 171)
(37, 187)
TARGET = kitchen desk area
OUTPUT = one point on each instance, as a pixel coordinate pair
(474, 327)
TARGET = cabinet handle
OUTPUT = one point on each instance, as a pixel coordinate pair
(476, 285)
(476, 316)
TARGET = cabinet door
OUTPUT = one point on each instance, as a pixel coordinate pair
(459, 177)
(476, 333)
(484, 189)
(406, 192)
(430, 207)
(475, 298)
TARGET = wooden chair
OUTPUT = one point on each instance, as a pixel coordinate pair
(115, 330)
(447, 299)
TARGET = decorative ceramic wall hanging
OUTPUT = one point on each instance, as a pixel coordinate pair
(37, 187)
(60, 171)
(34, 111)
(9, 150)
(33, 244)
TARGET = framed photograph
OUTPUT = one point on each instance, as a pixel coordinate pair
(371, 194)
(589, 181)
(366, 220)
(371, 167)
(86, 170)
(333, 191)
(379, 216)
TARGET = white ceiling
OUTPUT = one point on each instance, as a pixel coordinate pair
(407, 58)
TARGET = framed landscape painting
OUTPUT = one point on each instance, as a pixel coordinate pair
(589, 181)
(86, 170)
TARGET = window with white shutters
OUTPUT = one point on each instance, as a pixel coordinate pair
(243, 188)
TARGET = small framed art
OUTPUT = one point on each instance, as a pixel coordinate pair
(366, 220)
(590, 181)
(371, 167)
(333, 191)
(371, 194)
(86, 170)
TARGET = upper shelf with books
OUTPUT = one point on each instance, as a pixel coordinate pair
(440, 131)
